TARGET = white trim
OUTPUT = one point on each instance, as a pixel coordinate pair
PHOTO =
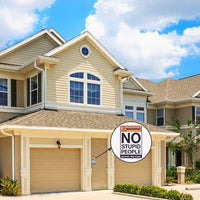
(175, 101)
(132, 91)
(196, 94)
(23, 42)
(80, 37)
(77, 129)
(82, 107)
(57, 34)
(54, 146)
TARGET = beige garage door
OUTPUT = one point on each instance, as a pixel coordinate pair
(136, 173)
(55, 170)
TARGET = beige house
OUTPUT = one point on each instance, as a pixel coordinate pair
(177, 98)
(59, 103)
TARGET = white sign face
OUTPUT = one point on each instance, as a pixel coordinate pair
(131, 142)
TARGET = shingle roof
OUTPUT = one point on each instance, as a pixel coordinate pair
(170, 89)
(75, 119)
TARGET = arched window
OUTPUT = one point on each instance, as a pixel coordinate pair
(85, 88)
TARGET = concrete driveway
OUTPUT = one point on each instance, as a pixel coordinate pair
(94, 195)
(101, 195)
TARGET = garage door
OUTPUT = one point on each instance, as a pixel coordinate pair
(55, 170)
(136, 173)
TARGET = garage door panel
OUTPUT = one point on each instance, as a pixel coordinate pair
(54, 170)
(136, 173)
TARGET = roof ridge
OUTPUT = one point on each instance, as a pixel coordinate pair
(189, 76)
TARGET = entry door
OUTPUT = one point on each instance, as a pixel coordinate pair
(99, 170)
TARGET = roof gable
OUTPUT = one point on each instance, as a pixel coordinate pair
(30, 39)
(91, 39)
(133, 84)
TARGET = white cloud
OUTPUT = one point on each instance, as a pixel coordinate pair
(18, 18)
(130, 30)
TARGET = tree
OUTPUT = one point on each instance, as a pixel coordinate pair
(188, 143)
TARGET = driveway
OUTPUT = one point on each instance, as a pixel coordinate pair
(102, 194)
(94, 195)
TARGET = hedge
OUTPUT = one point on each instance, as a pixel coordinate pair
(152, 191)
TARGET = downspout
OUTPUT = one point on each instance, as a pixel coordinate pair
(122, 94)
(43, 83)
(13, 151)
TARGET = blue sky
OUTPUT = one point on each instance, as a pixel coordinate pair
(155, 39)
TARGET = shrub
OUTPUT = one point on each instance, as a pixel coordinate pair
(10, 187)
(173, 195)
(171, 174)
(186, 196)
(197, 164)
(152, 191)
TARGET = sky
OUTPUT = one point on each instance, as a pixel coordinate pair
(155, 39)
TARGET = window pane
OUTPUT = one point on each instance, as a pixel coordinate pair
(34, 97)
(160, 121)
(140, 117)
(93, 92)
(34, 83)
(140, 108)
(198, 111)
(129, 107)
(3, 98)
(76, 92)
(129, 114)
(160, 113)
(3, 85)
(77, 75)
(92, 77)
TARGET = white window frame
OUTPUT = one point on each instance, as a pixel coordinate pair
(30, 90)
(135, 111)
(163, 117)
(8, 92)
(85, 81)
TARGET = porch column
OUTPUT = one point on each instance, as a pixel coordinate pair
(110, 167)
(156, 163)
(25, 166)
(86, 160)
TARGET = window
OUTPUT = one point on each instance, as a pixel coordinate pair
(34, 85)
(135, 112)
(76, 92)
(197, 113)
(85, 51)
(85, 88)
(3, 92)
(160, 117)
(93, 92)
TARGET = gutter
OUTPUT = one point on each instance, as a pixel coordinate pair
(13, 151)
(43, 83)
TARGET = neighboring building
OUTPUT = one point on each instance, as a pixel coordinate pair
(70, 93)
(178, 98)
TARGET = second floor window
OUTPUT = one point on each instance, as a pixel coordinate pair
(34, 89)
(85, 88)
(160, 117)
(3, 92)
(135, 112)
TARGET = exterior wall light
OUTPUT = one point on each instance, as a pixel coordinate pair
(58, 143)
